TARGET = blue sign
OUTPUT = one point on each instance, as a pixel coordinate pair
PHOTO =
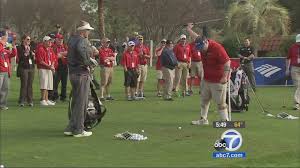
(270, 71)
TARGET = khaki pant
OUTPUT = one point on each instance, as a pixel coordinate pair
(168, 76)
(143, 70)
(295, 72)
(159, 74)
(215, 91)
(106, 74)
(181, 73)
(4, 86)
(196, 69)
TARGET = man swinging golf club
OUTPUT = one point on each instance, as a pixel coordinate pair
(216, 67)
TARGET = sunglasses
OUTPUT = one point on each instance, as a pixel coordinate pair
(183, 39)
(28, 39)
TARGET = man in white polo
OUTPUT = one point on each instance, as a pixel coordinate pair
(45, 58)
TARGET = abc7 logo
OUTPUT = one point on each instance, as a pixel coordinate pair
(231, 140)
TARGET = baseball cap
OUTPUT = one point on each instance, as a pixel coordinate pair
(183, 36)
(163, 40)
(199, 42)
(169, 42)
(2, 33)
(84, 26)
(105, 40)
(140, 37)
(298, 38)
(59, 36)
(131, 43)
(46, 38)
(57, 26)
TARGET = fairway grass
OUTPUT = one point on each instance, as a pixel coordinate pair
(33, 137)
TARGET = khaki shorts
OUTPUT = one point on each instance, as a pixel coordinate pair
(159, 74)
(196, 69)
(46, 79)
(143, 69)
(106, 74)
(215, 91)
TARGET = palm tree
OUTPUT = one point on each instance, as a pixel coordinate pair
(101, 18)
(257, 18)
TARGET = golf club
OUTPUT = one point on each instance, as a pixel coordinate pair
(284, 98)
(229, 102)
(263, 110)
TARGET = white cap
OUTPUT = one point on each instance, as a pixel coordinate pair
(182, 36)
(46, 38)
(131, 43)
(85, 26)
(298, 38)
(163, 40)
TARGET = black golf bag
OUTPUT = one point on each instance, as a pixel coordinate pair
(239, 91)
(95, 111)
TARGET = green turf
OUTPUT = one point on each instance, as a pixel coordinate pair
(33, 137)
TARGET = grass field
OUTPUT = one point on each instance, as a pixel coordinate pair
(33, 137)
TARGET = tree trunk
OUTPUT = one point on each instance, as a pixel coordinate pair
(101, 18)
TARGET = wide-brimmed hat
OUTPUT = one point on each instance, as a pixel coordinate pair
(84, 26)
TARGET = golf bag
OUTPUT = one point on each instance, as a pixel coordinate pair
(239, 91)
(94, 112)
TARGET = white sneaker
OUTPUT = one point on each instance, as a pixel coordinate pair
(44, 103)
(297, 107)
(68, 133)
(200, 122)
(83, 134)
(50, 103)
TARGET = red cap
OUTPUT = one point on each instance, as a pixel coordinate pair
(59, 36)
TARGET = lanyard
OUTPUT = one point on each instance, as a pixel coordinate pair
(49, 55)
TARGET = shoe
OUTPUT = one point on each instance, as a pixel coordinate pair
(21, 105)
(102, 99)
(190, 92)
(50, 103)
(110, 98)
(68, 133)
(83, 134)
(297, 107)
(30, 104)
(129, 98)
(159, 94)
(200, 122)
(4, 108)
(187, 93)
(177, 94)
(169, 99)
(44, 103)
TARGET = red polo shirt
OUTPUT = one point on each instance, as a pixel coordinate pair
(182, 53)
(130, 60)
(105, 53)
(294, 54)
(146, 51)
(5, 56)
(213, 62)
(61, 48)
(158, 53)
(47, 55)
(195, 54)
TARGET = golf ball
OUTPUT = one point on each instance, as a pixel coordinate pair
(142, 131)
(179, 127)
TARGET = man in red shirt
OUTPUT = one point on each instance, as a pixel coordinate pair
(183, 54)
(5, 68)
(158, 52)
(196, 66)
(46, 60)
(130, 62)
(107, 58)
(61, 71)
(216, 66)
(293, 60)
(144, 55)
